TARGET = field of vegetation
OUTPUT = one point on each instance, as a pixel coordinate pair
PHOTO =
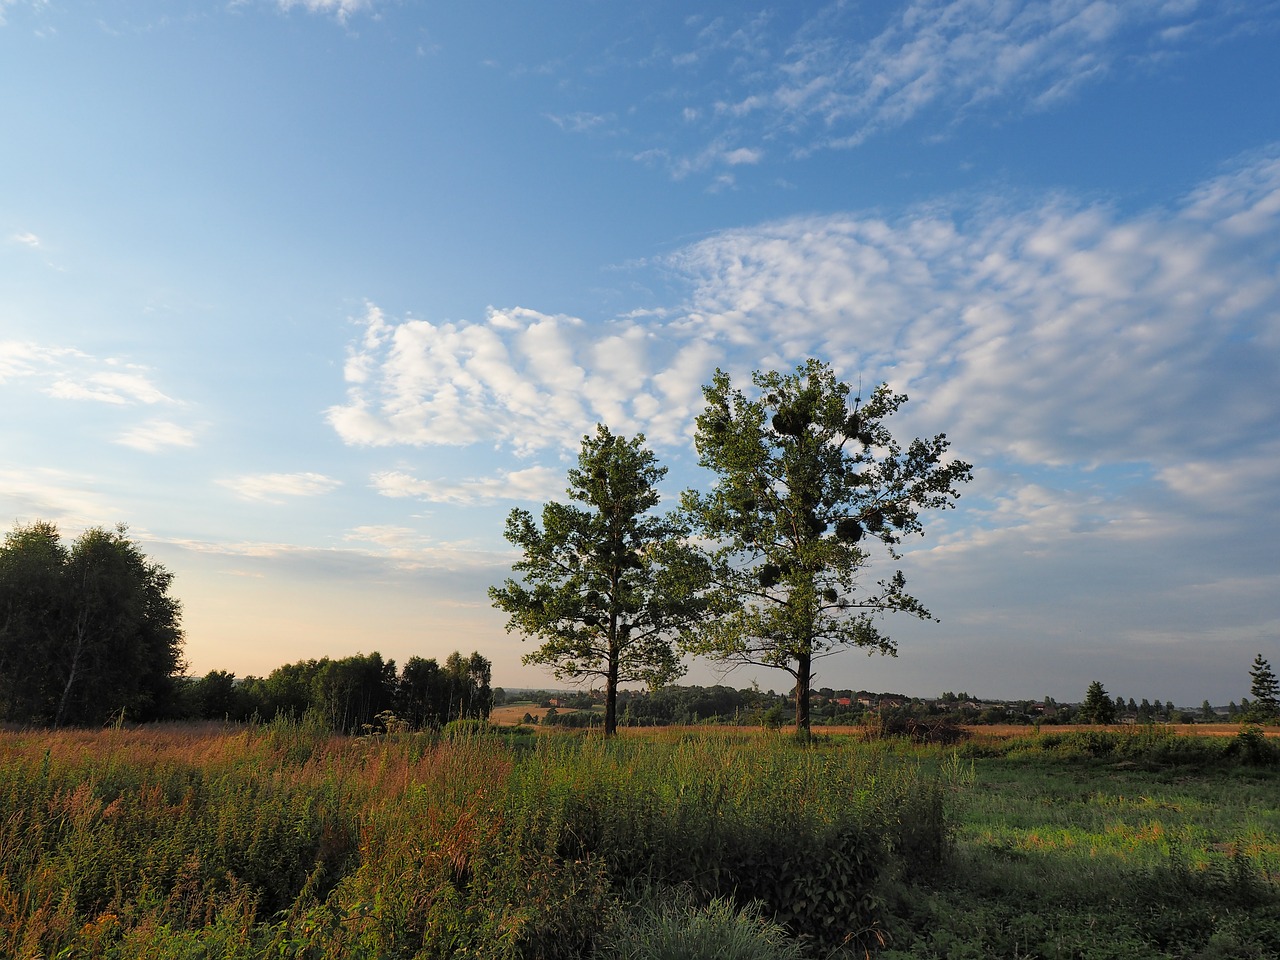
(284, 840)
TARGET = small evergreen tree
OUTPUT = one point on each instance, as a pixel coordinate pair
(1265, 689)
(1098, 706)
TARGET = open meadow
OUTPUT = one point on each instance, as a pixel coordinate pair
(283, 840)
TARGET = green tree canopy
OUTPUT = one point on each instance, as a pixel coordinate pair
(87, 632)
(805, 481)
(606, 583)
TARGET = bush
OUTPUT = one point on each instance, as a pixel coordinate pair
(674, 927)
(465, 729)
(924, 728)
(1251, 746)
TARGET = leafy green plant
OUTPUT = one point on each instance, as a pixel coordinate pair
(672, 926)
(1251, 746)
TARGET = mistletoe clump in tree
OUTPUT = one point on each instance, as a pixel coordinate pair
(607, 584)
(806, 482)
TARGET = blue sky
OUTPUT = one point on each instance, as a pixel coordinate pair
(311, 293)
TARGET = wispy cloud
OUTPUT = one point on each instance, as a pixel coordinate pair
(109, 387)
(1051, 334)
(156, 435)
(72, 501)
(839, 73)
(26, 239)
(70, 374)
(275, 487)
(1059, 332)
(412, 550)
(367, 552)
(23, 358)
(579, 122)
(343, 10)
(533, 483)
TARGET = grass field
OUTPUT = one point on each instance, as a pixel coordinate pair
(1142, 853)
(285, 841)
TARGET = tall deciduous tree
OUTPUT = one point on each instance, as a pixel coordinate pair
(86, 632)
(606, 583)
(806, 480)
(33, 560)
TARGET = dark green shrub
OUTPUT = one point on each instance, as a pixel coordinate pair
(673, 926)
(1251, 746)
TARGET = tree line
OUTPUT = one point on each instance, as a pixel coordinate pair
(1099, 707)
(90, 634)
(352, 694)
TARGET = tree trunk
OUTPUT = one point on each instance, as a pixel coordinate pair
(81, 628)
(611, 684)
(804, 669)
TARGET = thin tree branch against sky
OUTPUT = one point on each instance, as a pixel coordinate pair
(312, 293)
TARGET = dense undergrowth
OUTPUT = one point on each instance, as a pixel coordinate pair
(285, 841)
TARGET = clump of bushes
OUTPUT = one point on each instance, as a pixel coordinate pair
(918, 728)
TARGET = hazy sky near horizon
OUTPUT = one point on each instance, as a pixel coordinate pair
(311, 293)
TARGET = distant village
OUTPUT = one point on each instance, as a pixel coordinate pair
(722, 704)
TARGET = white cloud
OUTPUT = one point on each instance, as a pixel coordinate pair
(1048, 334)
(67, 500)
(341, 9)
(532, 483)
(271, 487)
(411, 550)
(1228, 483)
(70, 374)
(520, 378)
(109, 387)
(1059, 332)
(27, 239)
(742, 155)
(155, 435)
(579, 122)
(19, 358)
